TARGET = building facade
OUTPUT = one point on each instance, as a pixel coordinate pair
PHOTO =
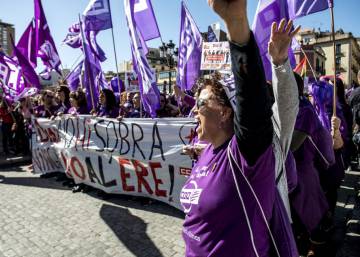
(347, 52)
(6, 32)
(316, 57)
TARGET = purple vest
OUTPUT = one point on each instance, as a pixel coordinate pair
(308, 199)
(216, 223)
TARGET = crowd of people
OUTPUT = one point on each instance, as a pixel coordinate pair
(269, 168)
(15, 116)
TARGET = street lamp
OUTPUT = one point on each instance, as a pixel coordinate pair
(168, 55)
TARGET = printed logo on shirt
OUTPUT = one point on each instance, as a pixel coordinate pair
(185, 171)
(190, 194)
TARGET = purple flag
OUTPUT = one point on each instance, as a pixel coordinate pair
(149, 91)
(145, 20)
(115, 85)
(45, 45)
(97, 15)
(10, 76)
(27, 70)
(27, 92)
(189, 51)
(269, 11)
(74, 77)
(300, 8)
(94, 79)
(95, 48)
(73, 39)
(211, 36)
(27, 44)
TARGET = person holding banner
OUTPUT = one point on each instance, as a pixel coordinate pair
(63, 96)
(78, 103)
(108, 106)
(231, 200)
(48, 107)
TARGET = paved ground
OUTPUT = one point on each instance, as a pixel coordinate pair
(40, 217)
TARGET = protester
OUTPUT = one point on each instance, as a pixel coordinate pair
(63, 96)
(26, 110)
(21, 142)
(312, 147)
(323, 101)
(108, 106)
(166, 109)
(78, 103)
(187, 102)
(48, 107)
(7, 121)
(136, 109)
(234, 178)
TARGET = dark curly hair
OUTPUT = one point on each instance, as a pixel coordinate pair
(110, 99)
(79, 97)
(66, 90)
(216, 88)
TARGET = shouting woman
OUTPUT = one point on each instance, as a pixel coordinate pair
(232, 203)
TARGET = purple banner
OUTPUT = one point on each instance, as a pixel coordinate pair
(45, 45)
(269, 11)
(145, 19)
(211, 36)
(27, 44)
(73, 39)
(10, 77)
(300, 8)
(149, 91)
(74, 77)
(189, 60)
(27, 71)
(97, 15)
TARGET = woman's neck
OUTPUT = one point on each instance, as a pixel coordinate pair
(223, 136)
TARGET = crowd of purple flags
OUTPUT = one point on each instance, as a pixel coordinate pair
(18, 76)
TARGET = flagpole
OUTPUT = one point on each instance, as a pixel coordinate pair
(86, 64)
(334, 52)
(113, 39)
(307, 59)
(72, 67)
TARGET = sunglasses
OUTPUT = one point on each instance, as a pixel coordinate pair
(200, 103)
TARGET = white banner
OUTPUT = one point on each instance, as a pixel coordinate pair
(216, 56)
(140, 157)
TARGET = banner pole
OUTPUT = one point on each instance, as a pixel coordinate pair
(116, 62)
(334, 52)
(87, 64)
(307, 59)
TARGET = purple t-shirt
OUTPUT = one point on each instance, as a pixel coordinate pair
(78, 111)
(216, 223)
(103, 112)
(42, 112)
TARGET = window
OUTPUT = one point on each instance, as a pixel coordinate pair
(317, 65)
(338, 60)
(338, 49)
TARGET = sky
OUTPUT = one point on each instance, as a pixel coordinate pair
(61, 14)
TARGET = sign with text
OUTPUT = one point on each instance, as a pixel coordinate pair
(216, 56)
(140, 157)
